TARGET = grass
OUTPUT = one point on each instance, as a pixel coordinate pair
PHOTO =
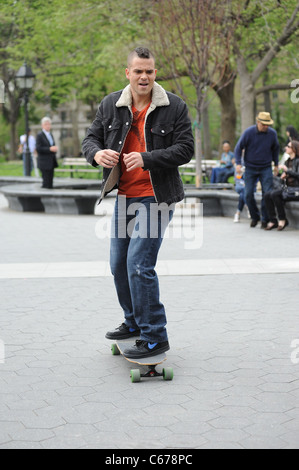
(15, 168)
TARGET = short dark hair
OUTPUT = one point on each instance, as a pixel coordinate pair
(142, 53)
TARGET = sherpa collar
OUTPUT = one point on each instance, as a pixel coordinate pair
(159, 97)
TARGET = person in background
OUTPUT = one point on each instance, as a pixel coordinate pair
(260, 146)
(273, 199)
(292, 134)
(228, 169)
(240, 188)
(32, 150)
(46, 150)
(221, 173)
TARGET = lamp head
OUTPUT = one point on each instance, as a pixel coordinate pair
(25, 77)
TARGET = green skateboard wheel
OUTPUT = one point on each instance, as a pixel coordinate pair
(168, 373)
(114, 349)
(135, 375)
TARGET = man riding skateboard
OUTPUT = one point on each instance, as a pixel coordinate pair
(140, 136)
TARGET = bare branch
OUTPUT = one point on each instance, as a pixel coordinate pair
(290, 28)
(275, 86)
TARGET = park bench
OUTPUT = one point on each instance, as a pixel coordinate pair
(77, 165)
(189, 169)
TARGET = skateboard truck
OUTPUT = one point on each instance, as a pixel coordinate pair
(136, 374)
(152, 372)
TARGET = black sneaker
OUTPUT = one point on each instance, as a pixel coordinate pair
(254, 223)
(145, 349)
(122, 332)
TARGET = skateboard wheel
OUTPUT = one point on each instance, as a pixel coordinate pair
(114, 349)
(167, 373)
(135, 375)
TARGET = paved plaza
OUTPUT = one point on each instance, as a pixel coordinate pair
(232, 304)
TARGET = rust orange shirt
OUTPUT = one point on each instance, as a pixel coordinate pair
(135, 183)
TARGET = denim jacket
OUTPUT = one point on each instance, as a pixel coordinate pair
(168, 136)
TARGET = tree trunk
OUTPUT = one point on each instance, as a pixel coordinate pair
(207, 151)
(247, 94)
(267, 96)
(10, 112)
(12, 115)
(75, 128)
(198, 150)
(228, 112)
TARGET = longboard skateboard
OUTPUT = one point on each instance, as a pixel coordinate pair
(119, 347)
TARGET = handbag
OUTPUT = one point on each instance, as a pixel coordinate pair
(278, 183)
(290, 193)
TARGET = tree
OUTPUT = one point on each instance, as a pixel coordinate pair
(265, 28)
(17, 19)
(73, 46)
(189, 39)
(11, 106)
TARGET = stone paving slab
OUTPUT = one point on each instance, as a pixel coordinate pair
(235, 385)
(196, 267)
(46, 238)
(234, 344)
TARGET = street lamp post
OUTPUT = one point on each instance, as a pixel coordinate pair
(25, 80)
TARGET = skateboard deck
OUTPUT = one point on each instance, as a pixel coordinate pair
(119, 347)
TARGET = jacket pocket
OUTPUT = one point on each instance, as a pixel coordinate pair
(162, 130)
(112, 129)
(162, 135)
(113, 125)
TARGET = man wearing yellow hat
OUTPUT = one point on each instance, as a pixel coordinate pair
(260, 146)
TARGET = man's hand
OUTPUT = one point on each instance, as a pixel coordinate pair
(276, 171)
(107, 158)
(54, 149)
(239, 168)
(133, 160)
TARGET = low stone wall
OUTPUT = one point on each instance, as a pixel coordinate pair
(224, 203)
(67, 197)
(8, 180)
(80, 197)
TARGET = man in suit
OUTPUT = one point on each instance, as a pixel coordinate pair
(46, 150)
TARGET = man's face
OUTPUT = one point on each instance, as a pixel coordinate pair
(141, 74)
(226, 148)
(47, 126)
(262, 127)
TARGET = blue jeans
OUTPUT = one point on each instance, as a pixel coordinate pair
(241, 191)
(251, 177)
(137, 232)
(214, 174)
(224, 174)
